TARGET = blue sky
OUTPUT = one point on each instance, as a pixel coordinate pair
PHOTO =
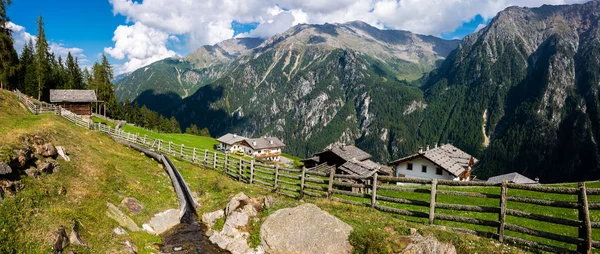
(149, 30)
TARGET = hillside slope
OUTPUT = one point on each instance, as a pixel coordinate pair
(99, 171)
(525, 90)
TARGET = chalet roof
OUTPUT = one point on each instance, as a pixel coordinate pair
(447, 157)
(60, 95)
(264, 143)
(511, 178)
(364, 168)
(348, 152)
(313, 159)
(230, 139)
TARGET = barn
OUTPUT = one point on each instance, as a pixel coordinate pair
(76, 101)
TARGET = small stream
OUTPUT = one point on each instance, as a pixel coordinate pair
(188, 238)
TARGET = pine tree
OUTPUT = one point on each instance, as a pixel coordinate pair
(29, 72)
(41, 57)
(9, 60)
(86, 78)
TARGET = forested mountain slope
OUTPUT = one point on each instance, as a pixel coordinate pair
(528, 85)
(318, 84)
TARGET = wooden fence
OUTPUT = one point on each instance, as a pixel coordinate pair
(36, 107)
(385, 193)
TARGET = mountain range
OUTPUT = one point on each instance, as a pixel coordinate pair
(521, 94)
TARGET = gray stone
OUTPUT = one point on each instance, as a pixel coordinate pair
(235, 202)
(74, 237)
(21, 158)
(427, 245)
(133, 205)
(268, 202)
(5, 168)
(305, 229)
(119, 231)
(413, 231)
(45, 166)
(130, 247)
(162, 222)
(209, 219)
(123, 220)
(33, 172)
(61, 240)
(49, 150)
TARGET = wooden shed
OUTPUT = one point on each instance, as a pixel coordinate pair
(76, 101)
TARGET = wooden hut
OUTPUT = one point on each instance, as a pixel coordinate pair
(76, 101)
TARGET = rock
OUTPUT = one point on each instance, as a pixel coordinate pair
(413, 231)
(61, 151)
(1, 195)
(74, 237)
(5, 168)
(45, 166)
(209, 219)
(313, 231)
(62, 190)
(49, 150)
(21, 158)
(120, 231)
(132, 204)
(61, 240)
(235, 202)
(178, 248)
(33, 172)
(162, 222)
(11, 187)
(130, 247)
(123, 220)
(268, 202)
(426, 245)
(148, 229)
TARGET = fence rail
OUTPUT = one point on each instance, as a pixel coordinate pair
(384, 194)
(36, 107)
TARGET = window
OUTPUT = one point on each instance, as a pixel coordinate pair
(409, 166)
(424, 169)
(438, 171)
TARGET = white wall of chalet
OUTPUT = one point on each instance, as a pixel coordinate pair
(417, 170)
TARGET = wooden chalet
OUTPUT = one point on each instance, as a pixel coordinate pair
(77, 101)
(346, 160)
(445, 162)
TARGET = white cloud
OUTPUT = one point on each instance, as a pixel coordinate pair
(479, 27)
(22, 37)
(140, 44)
(209, 21)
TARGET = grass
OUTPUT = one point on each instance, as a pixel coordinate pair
(101, 171)
(187, 140)
(100, 120)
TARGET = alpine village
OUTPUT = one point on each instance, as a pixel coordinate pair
(300, 126)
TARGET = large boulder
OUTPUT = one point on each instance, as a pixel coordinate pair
(161, 222)
(427, 245)
(61, 240)
(305, 229)
(49, 150)
(123, 220)
(5, 168)
(21, 158)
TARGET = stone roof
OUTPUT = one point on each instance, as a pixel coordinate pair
(60, 95)
(349, 153)
(230, 139)
(264, 143)
(447, 157)
(511, 178)
(364, 168)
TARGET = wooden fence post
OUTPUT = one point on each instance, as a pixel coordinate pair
(302, 182)
(330, 188)
(585, 230)
(432, 201)
(194, 155)
(226, 163)
(251, 171)
(205, 156)
(374, 191)
(241, 171)
(215, 161)
(181, 151)
(145, 143)
(170, 152)
(275, 186)
(502, 215)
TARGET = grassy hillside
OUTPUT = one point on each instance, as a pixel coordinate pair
(185, 139)
(99, 171)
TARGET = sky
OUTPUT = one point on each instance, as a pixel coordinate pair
(134, 34)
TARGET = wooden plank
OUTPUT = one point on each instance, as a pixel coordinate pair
(345, 201)
(317, 195)
(351, 185)
(539, 217)
(313, 187)
(350, 193)
(468, 208)
(263, 183)
(403, 201)
(585, 230)
(251, 172)
(353, 177)
(535, 245)
(276, 177)
(543, 202)
(401, 211)
(403, 189)
(290, 176)
(374, 191)
(473, 221)
(302, 182)
(557, 190)
(539, 233)
(502, 212)
(468, 194)
(315, 180)
(330, 188)
(241, 173)
(432, 202)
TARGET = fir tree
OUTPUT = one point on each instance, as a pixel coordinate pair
(41, 57)
(9, 60)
